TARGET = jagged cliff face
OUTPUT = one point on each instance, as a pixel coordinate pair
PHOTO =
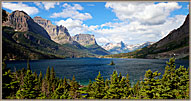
(21, 21)
(85, 39)
(59, 34)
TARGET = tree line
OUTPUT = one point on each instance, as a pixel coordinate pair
(25, 84)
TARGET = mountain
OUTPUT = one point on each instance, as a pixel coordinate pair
(21, 21)
(22, 38)
(59, 34)
(176, 43)
(123, 48)
(90, 43)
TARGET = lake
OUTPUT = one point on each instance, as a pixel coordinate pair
(88, 68)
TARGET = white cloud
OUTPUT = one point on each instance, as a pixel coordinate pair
(146, 13)
(39, 4)
(131, 33)
(132, 29)
(46, 5)
(73, 26)
(135, 32)
(72, 12)
(20, 6)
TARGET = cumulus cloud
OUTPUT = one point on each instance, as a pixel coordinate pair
(134, 27)
(135, 32)
(46, 5)
(72, 12)
(146, 13)
(73, 26)
(20, 6)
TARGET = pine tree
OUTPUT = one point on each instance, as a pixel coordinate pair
(168, 83)
(98, 88)
(28, 65)
(52, 77)
(61, 93)
(73, 88)
(48, 74)
(6, 79)
(151, 84)
(40, 80)
(114, 90)
(89, 86)
(27, 90)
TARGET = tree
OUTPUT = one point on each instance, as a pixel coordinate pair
(6, 79)
(27, 90)
(73, 88)
(52, 75)
(89, 86)
(48, 74)
(52, 79)
(61, 93)
(151, 84)
(169, 81)
(28, 65)
(40, 80)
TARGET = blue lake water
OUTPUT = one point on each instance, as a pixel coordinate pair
(88, 68)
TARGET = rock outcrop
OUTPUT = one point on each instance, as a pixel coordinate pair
(21, 21)
(85, 39)
(59, 34)
(90, 43)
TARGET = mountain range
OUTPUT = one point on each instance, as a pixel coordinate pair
(124, 48)
(175, 44)
(38, 38)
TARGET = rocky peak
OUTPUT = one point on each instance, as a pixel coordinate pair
(85, 39)
(21, 21)
(122, 44)
(42, 21)
(58, 34)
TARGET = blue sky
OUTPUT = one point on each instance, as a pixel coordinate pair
(131, 22)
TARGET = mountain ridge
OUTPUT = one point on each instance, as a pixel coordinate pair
(124, 48)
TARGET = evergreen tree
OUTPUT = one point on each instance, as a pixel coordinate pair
(61, 93)
(151, 84)
(52, 76)
(168, 83)
(98, 88)
(48, 74)
(28, 65)
(73, 88)
(40, 80)
(89, 86)
(27, 90)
